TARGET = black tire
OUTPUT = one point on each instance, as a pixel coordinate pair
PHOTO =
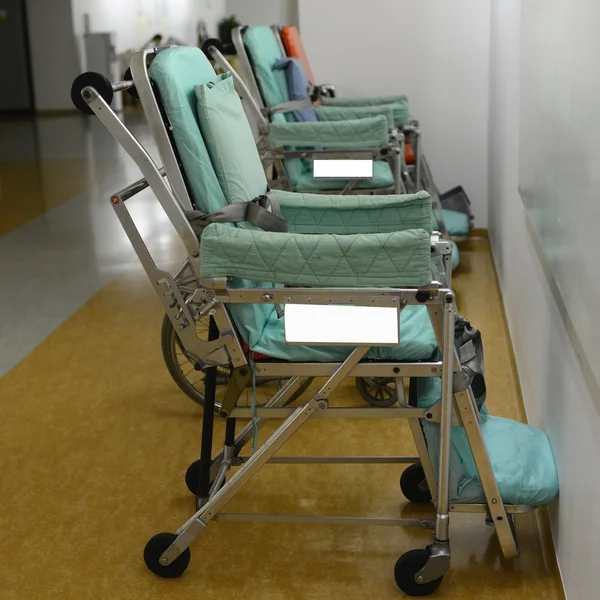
(377, 391)
(192, 476)
(414, 484)
(406, 569)
(193, 387)
(153, 551)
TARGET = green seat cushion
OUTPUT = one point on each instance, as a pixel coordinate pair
(305, 181)
(457, 223)
(521, 456)
(455, 256)
(264, 51)
(230, 142)
(399, 258)
(176, 72)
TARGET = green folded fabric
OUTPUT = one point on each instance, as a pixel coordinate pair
(397, 259)
(399, 105)
(370, 132)
(321, 213)
(345, 113)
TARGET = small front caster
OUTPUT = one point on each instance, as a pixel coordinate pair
(405, 573)
(192, 478)
(414, 484)
(154, 550)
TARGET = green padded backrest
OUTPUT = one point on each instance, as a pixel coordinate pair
(176, 72)
(264, 52)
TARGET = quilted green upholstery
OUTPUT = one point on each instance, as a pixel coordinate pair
(305, 182)
(371, 132)
(343, 113)
(319, 213)
(399, 105)
(400, 258)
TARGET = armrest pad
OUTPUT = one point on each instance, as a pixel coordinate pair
(399, 105)
(398, 259)
(344, 113)
(371, 132)
(321, 213)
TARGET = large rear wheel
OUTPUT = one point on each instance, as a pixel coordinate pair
(188, 371)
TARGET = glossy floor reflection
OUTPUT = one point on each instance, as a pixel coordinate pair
(96, 438)
(60, 242)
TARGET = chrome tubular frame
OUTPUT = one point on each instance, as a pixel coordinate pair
(211, 296)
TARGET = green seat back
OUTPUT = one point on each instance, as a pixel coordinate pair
(176, 72)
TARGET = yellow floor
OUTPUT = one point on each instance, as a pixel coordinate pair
(31, 188)
(95, 439)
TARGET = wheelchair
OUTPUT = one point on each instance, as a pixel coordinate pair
(258, 262)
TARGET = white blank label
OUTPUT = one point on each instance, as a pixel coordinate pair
(343, 168)
(341, 325)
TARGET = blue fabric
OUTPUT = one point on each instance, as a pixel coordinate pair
(298, 87)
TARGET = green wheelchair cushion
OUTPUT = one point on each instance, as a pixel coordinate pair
(305, 181)
(399, 105)
(264, 51)
(370, 132)
(417, 342)
(457, 223)
(175, 72)
(230, 142)
(320, 213)
(344, 113)
(396, 259)
(521, 456)
(455, 256)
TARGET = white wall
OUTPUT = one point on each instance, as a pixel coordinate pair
(264, 12)
(53, 53)
(136, 21)
(554, 389)
(434, 51)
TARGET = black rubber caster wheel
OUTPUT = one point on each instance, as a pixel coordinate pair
(377, 391)
(153, 551)
(96, 80)
(406, 569)
(192, 476)
(414, 485)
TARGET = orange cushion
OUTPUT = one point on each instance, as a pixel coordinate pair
(292, 42)
(409, 155)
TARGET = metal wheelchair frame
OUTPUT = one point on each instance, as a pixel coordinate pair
(224, 347)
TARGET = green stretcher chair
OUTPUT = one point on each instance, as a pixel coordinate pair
(253, 255)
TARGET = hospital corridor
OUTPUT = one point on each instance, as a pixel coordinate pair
(298, 299)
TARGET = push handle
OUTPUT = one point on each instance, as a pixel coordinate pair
(101, 84)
